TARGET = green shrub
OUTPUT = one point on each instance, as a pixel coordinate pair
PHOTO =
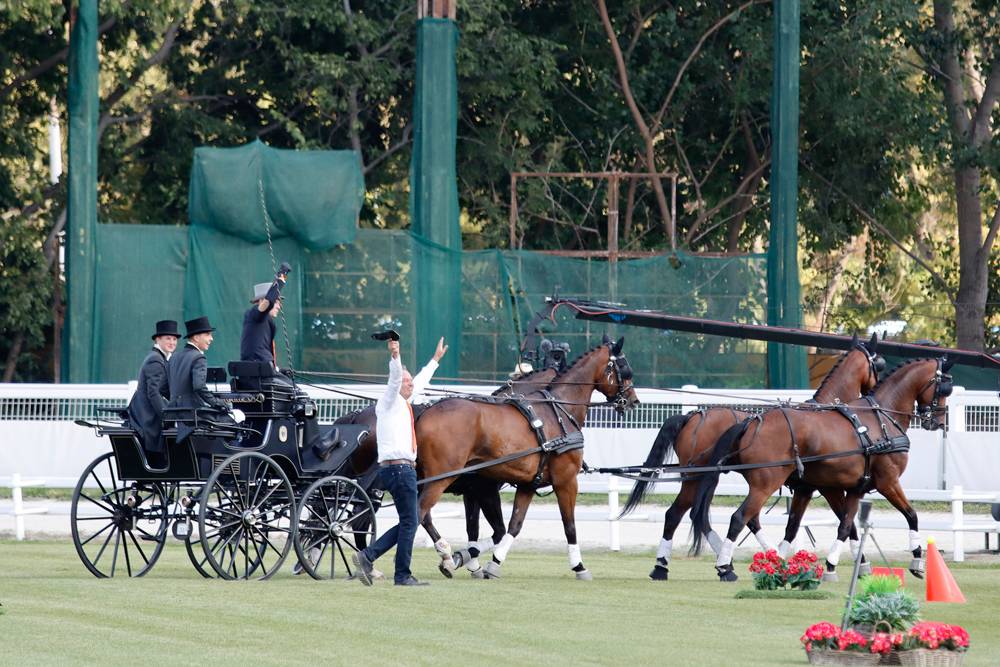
(878, 584)
(899, 610)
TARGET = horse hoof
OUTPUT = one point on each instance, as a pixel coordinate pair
(492, 570)
(830, 577)
(461, 557)
(866, 569)
(477, 574)
(917, 568)
(443, 569)
(726, 573)
(659, 573)
(584, 575)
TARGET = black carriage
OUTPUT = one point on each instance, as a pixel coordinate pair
(240, 496)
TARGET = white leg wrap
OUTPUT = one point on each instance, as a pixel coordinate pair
(762, 540)
(443, 548)
(785, 548)
(855, 549)
(473, 565)
(500, 552)
(573, 550)
(484, 545)
(714, 541)
(915, 540)
(725, 553)
(834, 556)
(666, 546)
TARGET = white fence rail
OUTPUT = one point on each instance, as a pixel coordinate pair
(38, 436)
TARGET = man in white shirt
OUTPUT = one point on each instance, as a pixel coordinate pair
(397, 454)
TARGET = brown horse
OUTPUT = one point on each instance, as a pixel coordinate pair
(479, 494)
(692, 435)
(857, 450)
(455, 433)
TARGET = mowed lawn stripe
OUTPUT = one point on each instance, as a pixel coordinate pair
(56, 612)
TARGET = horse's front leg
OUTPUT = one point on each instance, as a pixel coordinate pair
(893, 492)
(566, 495)
(846, 513)
(521, 501)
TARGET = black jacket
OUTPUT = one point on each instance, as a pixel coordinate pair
(257, 339)
(145, 410)
(187, 372)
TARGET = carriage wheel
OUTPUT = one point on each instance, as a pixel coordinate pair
(117, 528)
(335, 514)
(247, 518)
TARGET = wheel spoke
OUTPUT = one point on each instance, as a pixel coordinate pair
(104, 507)
(267, 542)
(128, 561)
(114, 559)
(344, 557)
(354, 517)
(141, 552)
(110, 524)
(104, 546)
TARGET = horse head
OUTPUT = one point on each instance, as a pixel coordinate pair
(616, 378)
(933, 397)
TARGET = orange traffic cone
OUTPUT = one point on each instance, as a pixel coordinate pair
(941, 586)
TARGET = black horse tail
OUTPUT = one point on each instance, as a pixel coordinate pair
(710, 480)
(657, 456)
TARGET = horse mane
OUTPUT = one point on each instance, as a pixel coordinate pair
(898, 368)
(575, 362)
(524, 378)
(832, 371)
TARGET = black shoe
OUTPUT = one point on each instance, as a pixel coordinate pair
(412, 581)
(364, 567)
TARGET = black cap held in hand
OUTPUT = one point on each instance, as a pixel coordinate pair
(388, 334)
(284, 269)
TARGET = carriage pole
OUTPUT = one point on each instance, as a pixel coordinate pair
(864, 514)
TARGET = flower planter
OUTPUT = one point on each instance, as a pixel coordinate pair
(825, 656)
(925, 657)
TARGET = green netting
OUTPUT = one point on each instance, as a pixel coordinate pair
(434, 189)
(313, 196)
(141, 281)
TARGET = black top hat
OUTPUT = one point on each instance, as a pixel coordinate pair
(197, 325)
(166, 328)
(388, 334)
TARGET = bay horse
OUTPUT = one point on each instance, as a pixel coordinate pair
(691, 436)
(458, 432)
(857, 448)
(479, 494)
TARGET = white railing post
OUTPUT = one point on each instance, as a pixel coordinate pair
(614, 525)
(15, 487)
(957, 524)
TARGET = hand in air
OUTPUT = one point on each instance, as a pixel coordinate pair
(441, 350)
(394, 348)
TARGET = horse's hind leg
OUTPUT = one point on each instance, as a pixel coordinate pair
(428, 498)
(671, 519)
(749, 508)
(893, 492)
(521, 501)
(837, 499)
(483, 497)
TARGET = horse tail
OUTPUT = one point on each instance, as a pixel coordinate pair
(657, 456)
(710, 480)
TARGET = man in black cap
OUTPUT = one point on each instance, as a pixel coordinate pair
(145, 410)
(188, 373)
(257, 338)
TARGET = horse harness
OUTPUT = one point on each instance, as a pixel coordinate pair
(867, 447)
(567, 441)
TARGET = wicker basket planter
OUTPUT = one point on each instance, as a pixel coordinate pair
(825, 656)
(925, 657)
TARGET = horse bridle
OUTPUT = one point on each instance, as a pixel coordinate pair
(943, 386)
(876, 363)
(618, 364)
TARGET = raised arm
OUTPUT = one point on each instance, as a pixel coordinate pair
(391, 394)
(423, 378)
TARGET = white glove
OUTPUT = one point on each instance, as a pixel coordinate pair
(237, 415)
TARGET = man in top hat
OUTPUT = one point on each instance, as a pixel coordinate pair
(257, 339)
(188, 374)
(145, 410)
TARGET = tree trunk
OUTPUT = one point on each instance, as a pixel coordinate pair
(12, 357)
(970, 304)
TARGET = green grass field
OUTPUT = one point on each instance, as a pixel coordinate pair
(54, 612)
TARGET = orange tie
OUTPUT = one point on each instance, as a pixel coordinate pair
(413, 432)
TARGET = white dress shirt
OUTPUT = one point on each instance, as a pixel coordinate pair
(394, 427)
(420, 382)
